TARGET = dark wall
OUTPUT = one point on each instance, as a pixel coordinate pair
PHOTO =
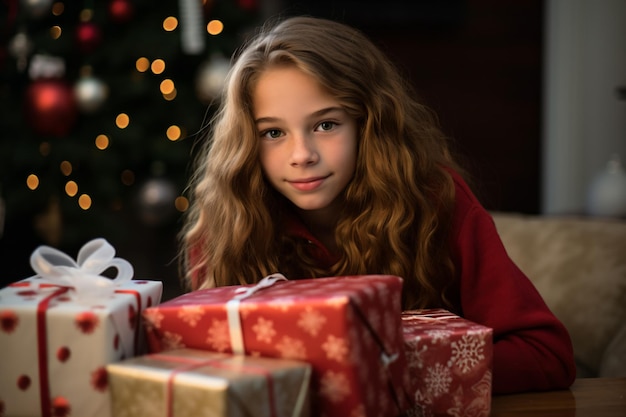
(478, 64)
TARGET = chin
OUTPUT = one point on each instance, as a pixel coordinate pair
(311, 205)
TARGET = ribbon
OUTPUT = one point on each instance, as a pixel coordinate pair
(42, 352)
(83, 275)
(409, 316)
(232, 309)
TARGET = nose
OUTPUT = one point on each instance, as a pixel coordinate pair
(303, 152)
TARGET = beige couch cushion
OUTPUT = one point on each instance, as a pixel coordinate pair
(579, 266)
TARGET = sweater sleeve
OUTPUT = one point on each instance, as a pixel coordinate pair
(532, 348)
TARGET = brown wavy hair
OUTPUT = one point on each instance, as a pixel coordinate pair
(398, 206)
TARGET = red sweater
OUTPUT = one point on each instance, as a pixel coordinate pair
(532, 348)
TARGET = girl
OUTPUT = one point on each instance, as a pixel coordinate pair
(320, 163)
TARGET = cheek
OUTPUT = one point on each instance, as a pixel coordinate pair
(267, 160)
(346, 155)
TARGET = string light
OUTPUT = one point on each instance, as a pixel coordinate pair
(122, 120)
(167, 86)
(142, 64)
(181, 203)
(215, 27)
(173, 133)
(32, 181)
(170, 23)
(84, 201)
(102, 142)
(71, 188)
(58, 8)
(66, 168)
(168, 89)
(171, 96)
(55, 32)
(158, 66)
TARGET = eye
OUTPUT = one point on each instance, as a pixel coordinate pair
(271, 134)
(325, 125)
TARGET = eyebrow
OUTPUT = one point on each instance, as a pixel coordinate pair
(314, 115)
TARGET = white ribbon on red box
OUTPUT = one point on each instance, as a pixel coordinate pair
(232, 309)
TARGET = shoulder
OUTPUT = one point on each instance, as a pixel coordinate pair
(463, 193)
(466, 204)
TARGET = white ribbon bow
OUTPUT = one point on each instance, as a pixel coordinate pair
(232, 309)
(83, 275)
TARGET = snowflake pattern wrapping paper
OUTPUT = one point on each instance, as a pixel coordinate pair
(449, 361)
(191, 382)
(54, 349)
(347, 328)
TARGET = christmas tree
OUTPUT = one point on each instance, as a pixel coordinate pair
(102, 102)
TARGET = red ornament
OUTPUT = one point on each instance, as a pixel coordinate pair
(50, 108)
(88, 36)
(121, 11)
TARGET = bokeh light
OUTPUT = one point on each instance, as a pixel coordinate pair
(32, 181)
(157, 66)
(84, 201)
(173, 133)
(58, 8)
(66, 168)
(167, 86)
(170, 23)
(122, 120)
(71, 188)
(102, 142)
(56, 32)
(181, 203)
(215, 27)
(142, 64)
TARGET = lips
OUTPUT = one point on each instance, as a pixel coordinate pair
(307, 184)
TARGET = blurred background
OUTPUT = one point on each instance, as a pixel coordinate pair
(103, 100)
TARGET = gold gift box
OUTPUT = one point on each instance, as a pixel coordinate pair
(189, 382)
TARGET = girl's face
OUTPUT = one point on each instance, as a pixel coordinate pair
(308, 143)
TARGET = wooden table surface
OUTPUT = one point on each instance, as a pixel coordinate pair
(588, 397)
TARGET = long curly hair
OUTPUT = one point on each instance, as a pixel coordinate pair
(397, 208)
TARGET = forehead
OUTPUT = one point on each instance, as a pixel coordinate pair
(286, 90)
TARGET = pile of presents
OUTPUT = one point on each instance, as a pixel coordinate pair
(75, 343)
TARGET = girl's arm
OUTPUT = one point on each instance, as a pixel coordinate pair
(532, 348)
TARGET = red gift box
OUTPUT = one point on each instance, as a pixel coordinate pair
(347, 328)
(449, 361)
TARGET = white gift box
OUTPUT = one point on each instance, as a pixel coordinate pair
(57, 342)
